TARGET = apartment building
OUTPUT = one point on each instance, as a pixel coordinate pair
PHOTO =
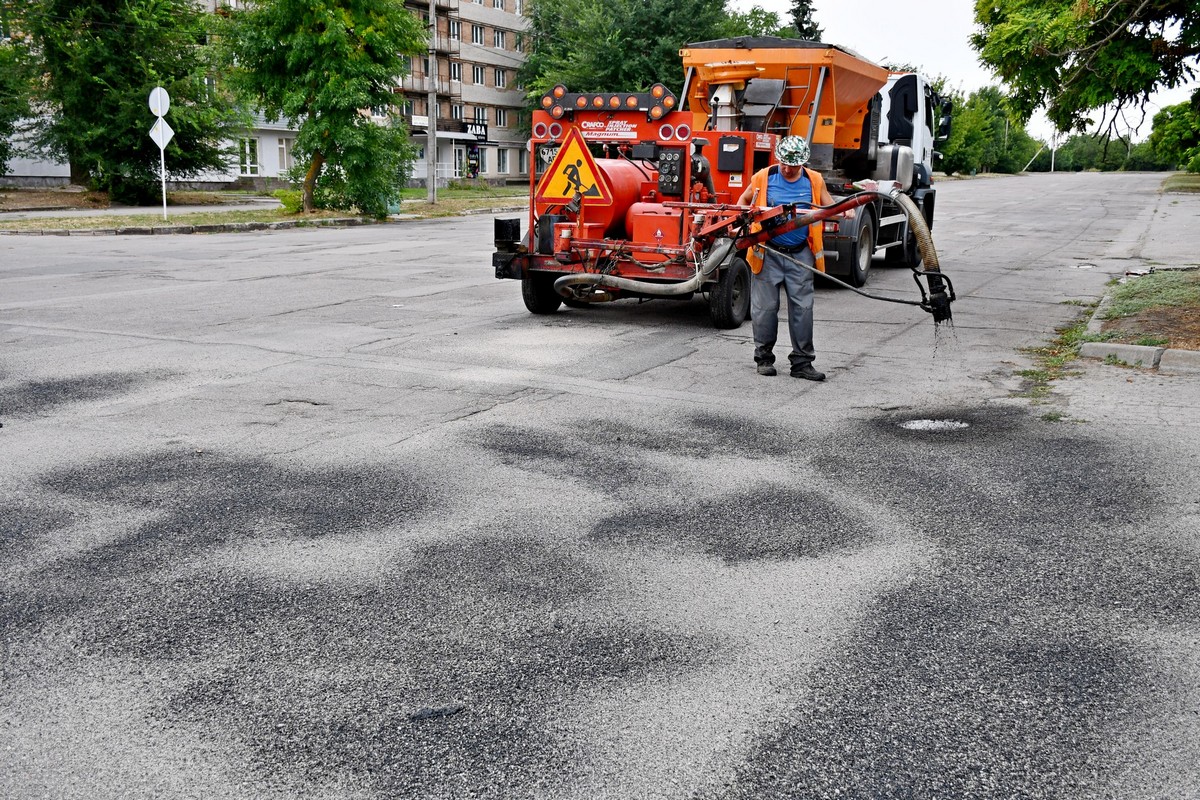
(476, 50)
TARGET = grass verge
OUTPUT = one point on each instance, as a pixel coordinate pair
(114, 221)
(1163, 289)
(1053, 360)
(1183, 182)
(1161, 309)
(451, 202)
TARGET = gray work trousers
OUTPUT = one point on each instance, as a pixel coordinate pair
(778, 272)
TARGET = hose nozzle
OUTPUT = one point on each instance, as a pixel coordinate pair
(941, 295)
(939, 306)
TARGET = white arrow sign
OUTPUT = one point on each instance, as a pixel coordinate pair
(161, 133)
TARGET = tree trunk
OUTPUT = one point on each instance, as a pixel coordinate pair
(310, 181)
(80, 174)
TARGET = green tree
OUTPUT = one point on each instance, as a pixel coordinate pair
(1091, 152)
(1175, 135)
(1143, 157)
(613, 45)
(985, 136)
(322, 65)
(99, 61)
(756, 21)
(1073, 57)
(14, 98)
(803, 23)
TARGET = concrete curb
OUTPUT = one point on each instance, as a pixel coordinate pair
(1180, 361)
(1136, 355)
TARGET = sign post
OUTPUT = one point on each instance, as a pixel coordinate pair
(161, 133)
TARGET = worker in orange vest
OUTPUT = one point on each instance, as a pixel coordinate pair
(789, 182)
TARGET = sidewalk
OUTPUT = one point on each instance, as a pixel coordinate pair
(1172, 241)
(251, 203)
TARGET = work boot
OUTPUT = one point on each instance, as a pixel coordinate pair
(766, 369)
(808, 372)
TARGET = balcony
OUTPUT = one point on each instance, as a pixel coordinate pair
(449, 5)
(445, 45)
(420, 84)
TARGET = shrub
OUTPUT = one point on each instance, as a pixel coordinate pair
(291, 199)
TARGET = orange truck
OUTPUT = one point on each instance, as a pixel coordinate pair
(632, 194)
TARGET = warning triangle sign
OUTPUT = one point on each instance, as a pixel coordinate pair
(574, 172)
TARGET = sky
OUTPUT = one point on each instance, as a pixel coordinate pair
(933, 35)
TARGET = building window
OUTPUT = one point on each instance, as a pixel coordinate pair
(501, 117)
(425, 65)
(519, 43)
(481, 114)
(483, 160)
(248, 156)
(477, 74)
(502, 161)
(498, 39)
(456, 71)
(477, 34)
(456, 111)
(455, 29)
(285, 154)
(501, 79)
(498, 4)
(522, 161)
(517, 4)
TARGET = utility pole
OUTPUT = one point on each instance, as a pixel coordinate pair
(431, 108)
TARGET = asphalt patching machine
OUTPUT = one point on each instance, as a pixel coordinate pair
(633, 194)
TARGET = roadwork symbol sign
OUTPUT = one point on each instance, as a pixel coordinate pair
(574, 172)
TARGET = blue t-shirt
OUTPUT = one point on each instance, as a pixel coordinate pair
(781, 191)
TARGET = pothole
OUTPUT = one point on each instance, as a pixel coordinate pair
(934, 425)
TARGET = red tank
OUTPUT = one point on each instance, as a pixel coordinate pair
(623, 181)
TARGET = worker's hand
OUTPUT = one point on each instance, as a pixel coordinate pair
(850, 213)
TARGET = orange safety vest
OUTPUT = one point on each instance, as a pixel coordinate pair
(816, 231)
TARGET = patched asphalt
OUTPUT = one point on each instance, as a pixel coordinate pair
(277, 524)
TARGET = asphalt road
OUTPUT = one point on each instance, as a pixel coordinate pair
(326, 513)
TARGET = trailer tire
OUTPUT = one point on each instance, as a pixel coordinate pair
(537, 290)
(729, 301)
(861, 252)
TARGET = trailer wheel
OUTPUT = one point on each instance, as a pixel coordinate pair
(861, 253)
(537, 290)
(729, 301)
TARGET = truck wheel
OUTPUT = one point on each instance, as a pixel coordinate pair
(537, 290)
(729, 301)
(861, 253)
(904, 255)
